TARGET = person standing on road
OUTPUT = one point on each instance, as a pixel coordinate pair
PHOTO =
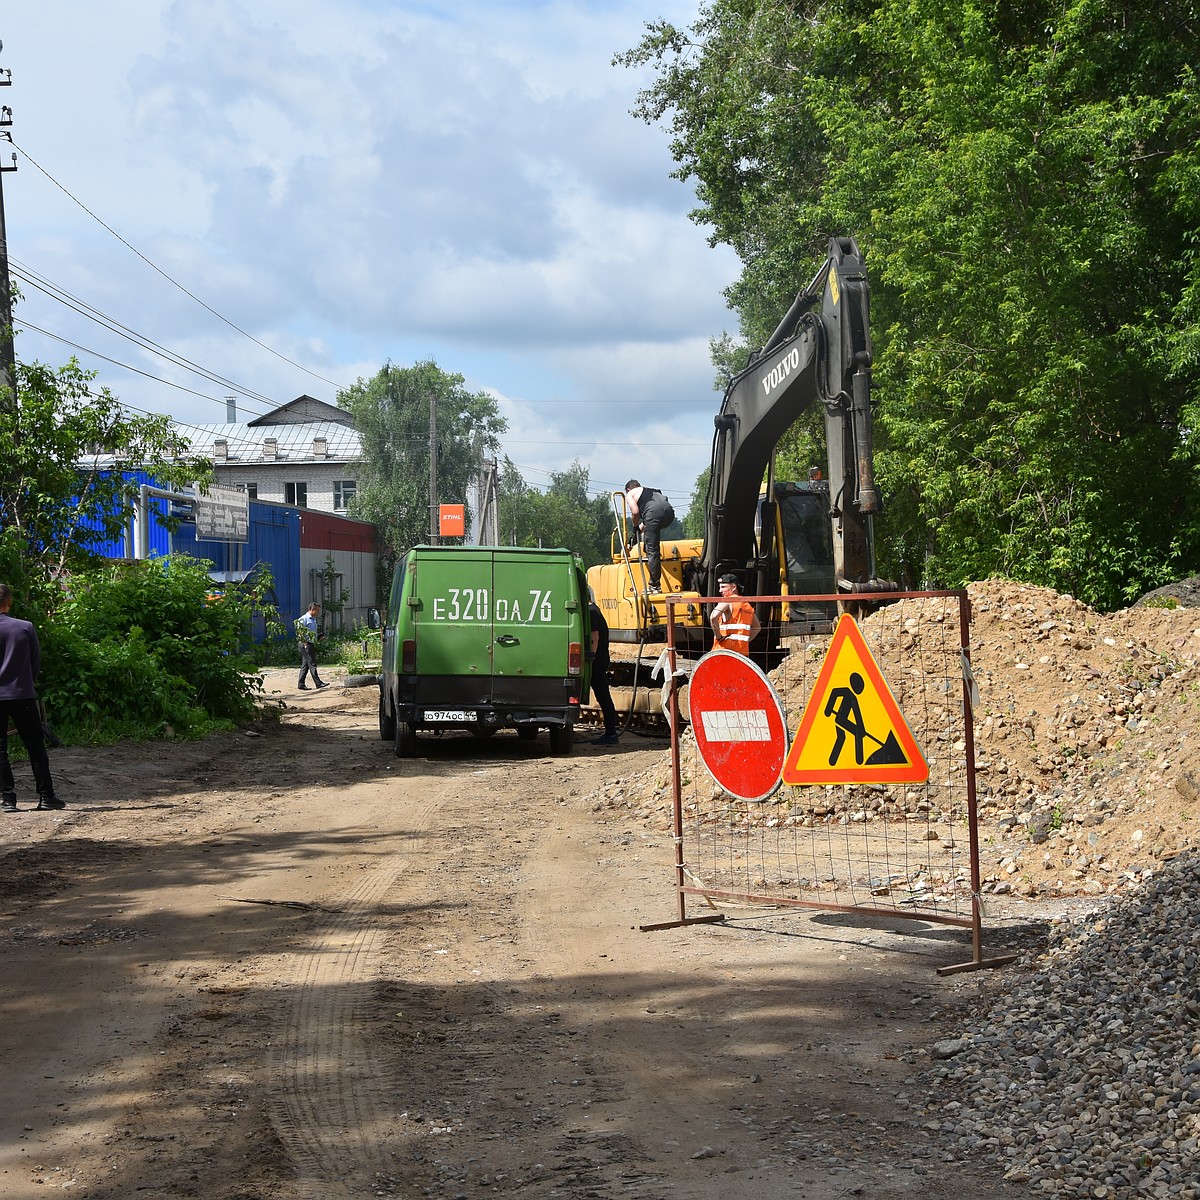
(308, 631)
(600, 662)
(735, 623)
(20, 666)
(651, 512)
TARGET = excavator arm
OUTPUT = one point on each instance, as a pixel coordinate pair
(820, 353)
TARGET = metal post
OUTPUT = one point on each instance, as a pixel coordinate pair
(977, 959)
(8, 357)
(143, 523)
(677, 790)
(433, 501)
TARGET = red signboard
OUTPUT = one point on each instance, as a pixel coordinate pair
(738, 723)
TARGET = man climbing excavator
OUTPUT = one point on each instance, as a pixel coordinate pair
(776, 539)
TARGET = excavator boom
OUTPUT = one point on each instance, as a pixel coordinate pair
(819, 353)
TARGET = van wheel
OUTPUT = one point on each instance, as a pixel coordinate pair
(527, 733)
(406, 739)
(562, 739)
(387, 720)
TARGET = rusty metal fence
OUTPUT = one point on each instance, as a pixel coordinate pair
(904, 850)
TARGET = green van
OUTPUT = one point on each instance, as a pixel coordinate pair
(484, 638)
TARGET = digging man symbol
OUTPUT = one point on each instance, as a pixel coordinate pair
(846, 711)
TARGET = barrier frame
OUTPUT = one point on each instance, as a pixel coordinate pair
(683, 889)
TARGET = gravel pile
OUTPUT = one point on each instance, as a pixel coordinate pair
(1083, 1079)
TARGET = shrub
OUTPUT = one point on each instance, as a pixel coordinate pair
(146, 647)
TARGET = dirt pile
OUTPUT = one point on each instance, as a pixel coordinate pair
(1087, 740)
(1088, 752)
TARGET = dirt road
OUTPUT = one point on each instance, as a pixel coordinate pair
(283, 963)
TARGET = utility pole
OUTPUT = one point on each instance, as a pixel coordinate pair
(433, 500)
(8, 355)
(488, 520)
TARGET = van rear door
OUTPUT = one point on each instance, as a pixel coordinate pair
(531, 620)
(455, 593)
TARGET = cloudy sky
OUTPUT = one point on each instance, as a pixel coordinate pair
(290, 193)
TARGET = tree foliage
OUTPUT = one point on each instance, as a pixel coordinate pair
(128, 649)
(144, 649)
(563, 515)
(391, 412)
(62, 491)
(695, 520)
(1023, 179)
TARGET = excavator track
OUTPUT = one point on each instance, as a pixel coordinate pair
(637, 694)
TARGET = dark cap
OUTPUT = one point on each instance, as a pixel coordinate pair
(727, 579)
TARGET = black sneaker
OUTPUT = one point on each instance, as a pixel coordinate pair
(8, 806)
(51, 802)
(303, 687)
(322, 686)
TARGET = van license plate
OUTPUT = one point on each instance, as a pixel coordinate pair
(448, 714)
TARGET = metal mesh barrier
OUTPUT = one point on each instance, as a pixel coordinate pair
(903, 849)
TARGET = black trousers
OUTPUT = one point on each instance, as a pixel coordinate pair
(604, 697)
(25, 716)
(656, 516)
(308, 663)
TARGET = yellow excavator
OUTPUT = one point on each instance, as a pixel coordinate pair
(814, 537)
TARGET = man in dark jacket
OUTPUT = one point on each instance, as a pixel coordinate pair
(20, 665)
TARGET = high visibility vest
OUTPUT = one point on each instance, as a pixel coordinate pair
(733, 631)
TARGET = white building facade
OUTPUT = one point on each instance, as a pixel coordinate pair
(304, 453)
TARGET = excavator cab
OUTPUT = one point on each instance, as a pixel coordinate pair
(806, 554)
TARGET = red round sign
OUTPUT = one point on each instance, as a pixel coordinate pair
(737, 719)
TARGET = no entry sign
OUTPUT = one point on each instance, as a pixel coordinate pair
(738, 723)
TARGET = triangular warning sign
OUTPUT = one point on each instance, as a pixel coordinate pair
(852, 730)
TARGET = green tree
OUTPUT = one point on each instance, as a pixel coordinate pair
(1024, 181)
(62, 491)
(563, 515)
(391, 413)
(695, 520)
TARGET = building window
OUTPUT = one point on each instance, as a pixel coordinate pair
(343, 492)
(296, 493)
(251, 490)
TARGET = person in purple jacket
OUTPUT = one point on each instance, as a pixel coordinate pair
(20, 664)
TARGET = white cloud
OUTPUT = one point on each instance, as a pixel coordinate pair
(373, 181)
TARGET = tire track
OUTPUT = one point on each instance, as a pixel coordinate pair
(330, 1103)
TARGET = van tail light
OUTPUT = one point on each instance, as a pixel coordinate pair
(575, 658)
(408, 656)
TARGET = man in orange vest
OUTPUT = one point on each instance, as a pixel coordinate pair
(734, 621)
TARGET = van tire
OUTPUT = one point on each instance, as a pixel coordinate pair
(361, 681)
(406, 739)
(562, 739)
(387, 720)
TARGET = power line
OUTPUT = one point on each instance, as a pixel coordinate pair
(175, 283)
(77, 305)
(115, 362)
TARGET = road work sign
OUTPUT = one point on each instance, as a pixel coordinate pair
(738, 722)
(852, 730)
